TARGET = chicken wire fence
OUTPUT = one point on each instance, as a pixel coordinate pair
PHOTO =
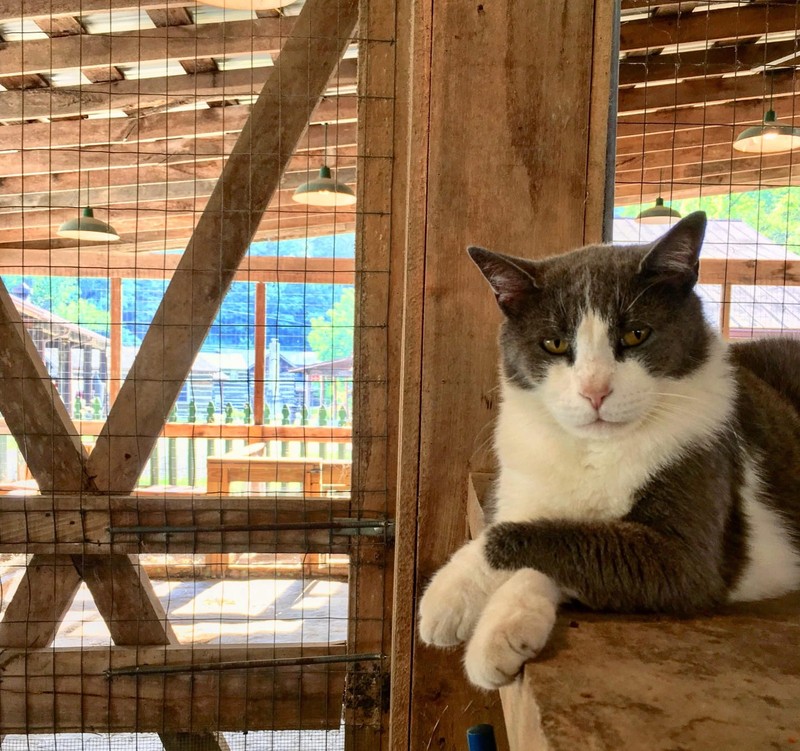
(183, 507)
(696, 82)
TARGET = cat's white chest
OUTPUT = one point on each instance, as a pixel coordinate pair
(542, 478)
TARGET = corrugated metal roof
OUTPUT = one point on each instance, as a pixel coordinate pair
(724, 239)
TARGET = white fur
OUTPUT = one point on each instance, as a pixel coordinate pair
(557, 461)
(454, 599)
(773, 567)
(513, 628)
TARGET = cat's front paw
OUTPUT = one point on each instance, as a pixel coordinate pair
(454, 599)
(514, 627)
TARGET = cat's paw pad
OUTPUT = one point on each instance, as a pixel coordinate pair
(505, 639)
(450, 607)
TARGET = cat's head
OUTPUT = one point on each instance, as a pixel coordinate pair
(601, 333)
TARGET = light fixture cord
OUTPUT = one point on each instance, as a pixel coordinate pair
(325, 148)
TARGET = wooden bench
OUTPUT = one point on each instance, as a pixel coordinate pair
(251, 464)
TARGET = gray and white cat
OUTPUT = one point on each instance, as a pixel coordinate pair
(644, 465)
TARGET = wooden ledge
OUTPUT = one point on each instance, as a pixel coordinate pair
(605, 682)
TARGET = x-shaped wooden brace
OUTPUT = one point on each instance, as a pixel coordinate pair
(38, 418)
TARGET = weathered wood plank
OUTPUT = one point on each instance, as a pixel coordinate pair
(146, 128)
(145, 45)
(92, 263)
(732, 58)
(34, 411)
(126, 599)
(281, 225)
(371, 560)
(143, 93)
(221, 238)
(67, 690)
(710, 25)
(524, 190)
(40, 602)
(171, 152)
(17, 9)
(197, 524)
(705, 91)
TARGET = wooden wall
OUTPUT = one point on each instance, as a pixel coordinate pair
(506, 149)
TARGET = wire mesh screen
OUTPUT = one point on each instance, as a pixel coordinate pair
(700, 85)
(184, 505)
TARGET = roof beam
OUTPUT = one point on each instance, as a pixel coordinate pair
(145, 93)
(705, 91)
(13, 10)
(145, 45)
(709, 26)
(139, 194)
(125, 266)
(169, 151)
(59, 184)
(746, 112)
(215, 121)
(150, 215)
(715, 61)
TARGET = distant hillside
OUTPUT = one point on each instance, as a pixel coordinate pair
(290, 307)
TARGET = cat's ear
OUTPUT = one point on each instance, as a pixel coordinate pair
(511, 279)
(675, 257)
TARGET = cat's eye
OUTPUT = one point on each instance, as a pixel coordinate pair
(635, 337)
(556, 346)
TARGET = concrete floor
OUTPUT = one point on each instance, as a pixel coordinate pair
(252, 611)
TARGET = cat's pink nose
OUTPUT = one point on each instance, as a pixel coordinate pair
(596, 394)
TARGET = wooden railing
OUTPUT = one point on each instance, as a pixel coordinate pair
(179, 458)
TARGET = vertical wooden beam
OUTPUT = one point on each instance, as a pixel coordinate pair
(260, 353)
(507, 154)
(725, 311)
(115, 346)
(223, 233)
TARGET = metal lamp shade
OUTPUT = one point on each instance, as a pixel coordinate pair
(86, 227)
(658, 214)
(324, 191)
(768, 138)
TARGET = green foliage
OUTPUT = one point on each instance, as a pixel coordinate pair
(331, 335)
(772, 213)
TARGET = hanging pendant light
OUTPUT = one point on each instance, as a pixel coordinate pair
(771, 137)
(324, 190)
(658, 213)
(86, 227)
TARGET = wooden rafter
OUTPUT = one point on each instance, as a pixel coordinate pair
(154, 127)
(88, 700)
(142, 94)
(705, 91)
(708, 26)
(145, 45)
(715, 61)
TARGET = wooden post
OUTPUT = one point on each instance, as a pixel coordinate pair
(115, 346)
(725, 311)
(508, 154)
(260, 353)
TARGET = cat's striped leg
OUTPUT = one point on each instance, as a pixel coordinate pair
(514, 627)
(454, 599)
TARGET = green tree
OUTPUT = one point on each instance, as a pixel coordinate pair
(771, 212)
(331, 335)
